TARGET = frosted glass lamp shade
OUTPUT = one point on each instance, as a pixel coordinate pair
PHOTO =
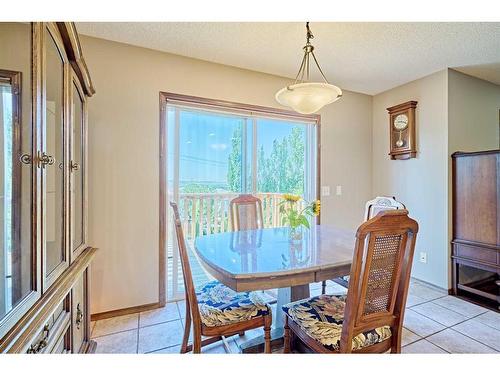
(308, 97)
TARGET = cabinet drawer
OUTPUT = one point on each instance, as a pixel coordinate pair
(476, 253)
(80, 313)
(52, 328)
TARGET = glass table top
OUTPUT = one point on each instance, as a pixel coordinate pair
(272, 251)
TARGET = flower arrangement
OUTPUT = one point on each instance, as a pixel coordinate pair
(293, 215)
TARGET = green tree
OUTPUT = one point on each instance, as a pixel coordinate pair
(234, 162)
(282, 171)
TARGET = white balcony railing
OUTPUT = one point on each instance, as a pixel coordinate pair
(207, 213)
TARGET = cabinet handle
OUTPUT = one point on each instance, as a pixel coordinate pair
(25, 158)
(75, 166)
(37, 348)
(45, 159)
(79, 316)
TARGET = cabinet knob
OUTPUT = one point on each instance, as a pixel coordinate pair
(75, 166)
(25, 158)
(45, 159)
(37, 348)
(79, 316)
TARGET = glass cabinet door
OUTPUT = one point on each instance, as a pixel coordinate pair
(18, 275)
(52, 160)
(77, 167)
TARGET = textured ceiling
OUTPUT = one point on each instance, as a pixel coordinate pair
(363, 57)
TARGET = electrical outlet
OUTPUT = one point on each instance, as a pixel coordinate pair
(325, 191)
(338, 190)
(423, 257)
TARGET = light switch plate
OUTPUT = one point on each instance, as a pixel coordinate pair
(325, 191)
(423, 257)
(338, 190)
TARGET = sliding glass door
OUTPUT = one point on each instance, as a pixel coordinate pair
(213, 155)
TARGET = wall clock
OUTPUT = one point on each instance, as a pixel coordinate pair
(402, 131)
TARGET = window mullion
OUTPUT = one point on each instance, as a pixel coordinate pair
(254, 155)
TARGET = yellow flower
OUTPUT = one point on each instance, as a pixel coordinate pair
(316, 207)
(291, 197)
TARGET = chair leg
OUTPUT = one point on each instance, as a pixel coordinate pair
(286, 337)
(267, 334)
(187, 329)
(242, 333)
(323, 287)
(196, 341)
(396, 343)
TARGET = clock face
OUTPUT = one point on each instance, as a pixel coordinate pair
(401, 122)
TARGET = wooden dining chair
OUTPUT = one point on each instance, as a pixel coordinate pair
(215, 310)
(246, 213)
(370, 318)
(372, 208)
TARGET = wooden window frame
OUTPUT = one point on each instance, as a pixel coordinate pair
(228, 106)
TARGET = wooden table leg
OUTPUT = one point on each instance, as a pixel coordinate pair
(285, 295)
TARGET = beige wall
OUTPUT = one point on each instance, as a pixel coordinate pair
(473, 113)
(455, 112)
(123, 156)
(420, 183)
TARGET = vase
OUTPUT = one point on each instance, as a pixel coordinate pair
(295, 234)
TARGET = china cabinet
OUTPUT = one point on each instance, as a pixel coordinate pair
(475, 248)
(44, 254)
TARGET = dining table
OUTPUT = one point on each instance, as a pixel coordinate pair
(276, 258)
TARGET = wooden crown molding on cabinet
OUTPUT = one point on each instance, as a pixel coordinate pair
(74, 51)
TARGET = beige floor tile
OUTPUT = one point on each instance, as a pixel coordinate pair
(414, 300)
(160, 336)
(439, 314)
(491, 319)
(408, 337)
(116, 324)
(162, 315)
(455, 342)
(249, 335)
(422, 347)
(181, 305)
(170, 350)
(460, 306)
(122, 342)
(480, 332)
(219, 348)
(420, 324)
(425, 292)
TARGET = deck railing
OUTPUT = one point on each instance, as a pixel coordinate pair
(207, 213)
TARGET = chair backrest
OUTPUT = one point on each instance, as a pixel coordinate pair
(186, 267)
(380, 275)
(373, 207)
(246, 213)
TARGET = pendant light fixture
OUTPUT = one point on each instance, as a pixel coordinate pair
(304, 96)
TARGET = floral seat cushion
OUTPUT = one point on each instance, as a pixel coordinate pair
(322, 317)
(220, 305)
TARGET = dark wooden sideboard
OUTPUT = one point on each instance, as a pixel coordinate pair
(476, 227)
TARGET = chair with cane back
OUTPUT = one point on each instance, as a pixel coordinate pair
(370, 318)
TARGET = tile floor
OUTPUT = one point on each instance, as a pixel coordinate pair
(434, 323)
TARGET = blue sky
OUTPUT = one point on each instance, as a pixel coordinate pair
(205, 142)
